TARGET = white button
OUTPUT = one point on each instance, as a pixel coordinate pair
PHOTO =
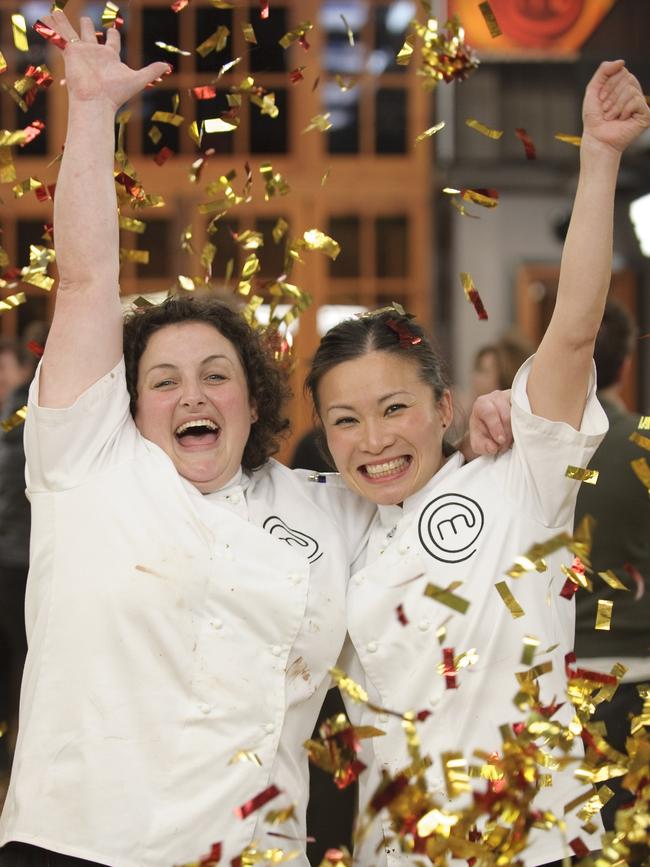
(433, 701)
(217, 624)
(359, 579)
(204, 708)
(276, 650)
(234, 498)
(404, 549)
(371, 647)
(269, 728)
(423, 625)
(383, 717)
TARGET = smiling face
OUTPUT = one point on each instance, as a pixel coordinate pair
(383, 424)
(193, 402)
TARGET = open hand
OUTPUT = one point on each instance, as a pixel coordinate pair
(614, 111)
(94, 71)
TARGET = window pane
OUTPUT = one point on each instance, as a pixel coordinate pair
(347, 231)
(159, 25)
(152, 101)
(271, 255)
(340, 56)
(28, 232)
(207, 22)
(343, 137)
(157, 239)
(268, 55)
(391, 119)
(391, 24)
(392, 244)
(270, 135)
(34, 310)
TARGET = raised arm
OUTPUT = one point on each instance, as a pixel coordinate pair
(85, 340)
(614, 113)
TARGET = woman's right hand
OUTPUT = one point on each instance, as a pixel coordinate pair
(94, 71)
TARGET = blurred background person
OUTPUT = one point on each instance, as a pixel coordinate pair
(496, 364)
(621, 539)
(17, 366)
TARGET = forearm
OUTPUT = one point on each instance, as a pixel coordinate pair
(86, 233)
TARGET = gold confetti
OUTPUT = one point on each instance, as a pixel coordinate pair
(279, 230)
(642, 471)
(321, 122)
(581, 474)
(430, 132)
(569, 139)
(530, 647)
(228, 66)
(246, 756)
(316, 240)
(249, 33)
(16, 419)
(511, 603)
(644, 423)
(167, 117)
(3, 63)
(346, 82)
(604, 614)
(639, 440)
(172, 49)
(278, 817)
(216, 42)
(455, 773)
(348, 30)
(490, 19)
(110, 14)
(218, 124)
(495, 134)
(446, 597)
(298, 33)
(140, 257)
(19, 27)
(349, 686)
(613, 580)
(12, 301)
(405, 53)
(130, 224)
(325, 177)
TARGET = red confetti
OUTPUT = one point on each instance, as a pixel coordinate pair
(207, 91)
(213, 856)
(406, 336)
(422, 715)
(527, 142)
(475, 300)
(403, 619)
(35, 348)
(304, 43)
(49, 34)
(264, 11)
(256, 802)
(34, 129)
(450, 668)
(579, 848)
(179, 4)
(41, 76)
(384, 796)
(132, 187)
(296, 75)
(585, 673)
(569, 589)
(163, 155)
(45, 193)
(638, 578)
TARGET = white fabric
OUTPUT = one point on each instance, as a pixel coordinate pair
(167, 631)
(468, 524)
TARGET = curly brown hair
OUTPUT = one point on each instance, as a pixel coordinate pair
(268, 387)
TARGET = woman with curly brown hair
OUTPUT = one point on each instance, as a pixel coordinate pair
(186, 597)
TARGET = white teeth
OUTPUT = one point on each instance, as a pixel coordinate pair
(199, 422)
(386, 468)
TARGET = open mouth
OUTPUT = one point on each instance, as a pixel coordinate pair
(384, 470)
(198, 432)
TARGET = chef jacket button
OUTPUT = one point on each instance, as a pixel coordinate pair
(371, 647)
(217, 623)
(383, 717)
(423, 625)
(234, 498)
(269, 728)
(433, 701)
(276, 650)
(204, 708)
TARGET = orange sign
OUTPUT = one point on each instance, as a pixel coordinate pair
(531, 27)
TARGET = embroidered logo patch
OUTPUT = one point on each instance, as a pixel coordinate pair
(449, 527)
(309, 547)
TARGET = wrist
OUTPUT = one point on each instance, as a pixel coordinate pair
(597, 151)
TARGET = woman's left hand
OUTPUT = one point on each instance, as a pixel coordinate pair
(614, 110)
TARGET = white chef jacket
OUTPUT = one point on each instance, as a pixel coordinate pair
(167, 631)
(468, 524)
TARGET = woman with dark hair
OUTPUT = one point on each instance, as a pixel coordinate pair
(186, 596)
(384, 404)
